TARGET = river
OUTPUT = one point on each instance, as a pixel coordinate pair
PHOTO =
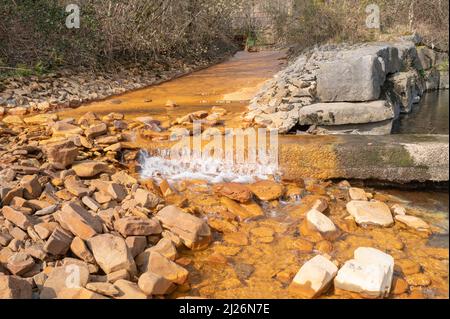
(258, 257)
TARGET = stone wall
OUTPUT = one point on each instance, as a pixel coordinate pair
(344, 88)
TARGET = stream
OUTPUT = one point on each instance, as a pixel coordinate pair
(258, 257)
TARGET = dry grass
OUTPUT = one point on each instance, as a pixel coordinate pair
(315, 21)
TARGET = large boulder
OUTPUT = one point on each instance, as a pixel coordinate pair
(193, 231)
(352, 79)
(370, 273)
(314, 277)
(346, 113)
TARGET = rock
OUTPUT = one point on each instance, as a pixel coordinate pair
(16, 217)
(12, 119)
(346, 113)
(164, 247)
(370, 213)
(87, 118)
(160, 265)
(12, 287)
(79, 249)
(31, 187)
(59, 242)
(370, 273)
(153, 284)
(146, 199)
(267, 190)
(128, 290)
(403, 89)
(20, 263)
(103, 288)
(72, 274)
(407, 266)
(399, 286)
(10, 194)
(444, 80)
(41, 119)
(413, 222)
(398, 209)
(79, 221)
(354, 78)
(64, 129)
(36, 250)
(96, 130)
(136, 244)
(357, 194)
(5, 238)
(79, 293)
(117, 191)
(320, 222)
(234, 191)
(91, 203)
(242, 271)
(111, 253)
(243, 211)
(123, 178)
(314, 277)
(62, 154)
(165, 188)
(117, 275)
(76, 187)
(136, 226)
(193, 231)
(90, 168)
(418, 280)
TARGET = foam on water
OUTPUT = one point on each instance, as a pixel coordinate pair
(161, 166)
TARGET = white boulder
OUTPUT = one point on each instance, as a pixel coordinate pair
(369, 273)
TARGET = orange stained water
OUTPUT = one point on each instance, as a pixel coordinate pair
(258, 258)
(230, 85)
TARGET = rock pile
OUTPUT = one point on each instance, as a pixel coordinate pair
(73, 225)
(343, 88)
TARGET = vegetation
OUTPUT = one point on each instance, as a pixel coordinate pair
(318, 21)
(33, 32)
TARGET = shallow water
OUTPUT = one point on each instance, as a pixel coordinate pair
(429, 116)
(258, 258)
(229, 85)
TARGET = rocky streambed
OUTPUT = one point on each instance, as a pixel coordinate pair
(77, 221)
(83, 216)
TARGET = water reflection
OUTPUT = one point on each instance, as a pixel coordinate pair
(430, 116)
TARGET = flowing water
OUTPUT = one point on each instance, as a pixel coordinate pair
(258, 257)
